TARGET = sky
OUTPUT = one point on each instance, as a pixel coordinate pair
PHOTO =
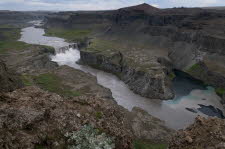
(68, 5)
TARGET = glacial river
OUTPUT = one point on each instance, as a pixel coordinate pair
(192, 98)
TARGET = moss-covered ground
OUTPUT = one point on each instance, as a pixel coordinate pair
(220, 91)
(51, 83)
(71, 35)
(144, 145)
(8, 39)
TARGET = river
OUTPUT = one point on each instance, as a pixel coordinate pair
(192, 97)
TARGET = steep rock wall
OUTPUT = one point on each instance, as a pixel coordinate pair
(141, 82)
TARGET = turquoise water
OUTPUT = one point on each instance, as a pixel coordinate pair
(209, 91)
(195, 97)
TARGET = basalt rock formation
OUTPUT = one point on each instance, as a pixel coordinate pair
(147, 84)
(188, 39)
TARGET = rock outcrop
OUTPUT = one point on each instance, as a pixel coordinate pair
(204, 133)
(32, 60)
(9, 81)
(147, 127)
(31, 117)
(147, 84)
(63, 49)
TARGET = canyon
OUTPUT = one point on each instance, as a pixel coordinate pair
(148, 43)
(128, 76)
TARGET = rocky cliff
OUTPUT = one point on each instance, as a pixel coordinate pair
(190, 39)
(19, 18)
(146, 83)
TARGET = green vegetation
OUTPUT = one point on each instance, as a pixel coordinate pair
(12, 45)
(39, 147)
(194, 67)
(52, 83)
(99, 115)
(143, 145)
(68, 34)
(171, 76)
(27, 80)
(6, 26)
(99, 45)
(47, 49)
(8, 39)
(220, 91)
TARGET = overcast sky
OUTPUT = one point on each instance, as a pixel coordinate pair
(100, 4)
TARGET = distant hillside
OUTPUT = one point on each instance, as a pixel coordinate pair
(216, 8)
(142, 7)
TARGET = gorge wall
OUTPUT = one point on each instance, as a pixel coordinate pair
(188, 39)
(146, 84)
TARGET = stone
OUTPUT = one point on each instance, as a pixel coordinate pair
(78, 115)
(147, 127)
(188, 139)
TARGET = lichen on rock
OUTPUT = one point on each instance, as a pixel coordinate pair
(89, 138)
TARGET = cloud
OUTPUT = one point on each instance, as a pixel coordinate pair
(193, 3)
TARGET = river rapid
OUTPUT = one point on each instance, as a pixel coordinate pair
(192, 97)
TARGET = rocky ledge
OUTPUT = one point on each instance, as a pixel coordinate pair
(31, 117)
(145, 83)
(63, 49)
(204, 133)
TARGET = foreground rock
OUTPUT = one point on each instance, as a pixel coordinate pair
(9, 81)
(204, 133)
(31, 117)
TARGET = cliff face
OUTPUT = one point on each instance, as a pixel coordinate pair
(142, 82)
(185, 37)
(19, 18)
(190, 36)
(9, 81)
